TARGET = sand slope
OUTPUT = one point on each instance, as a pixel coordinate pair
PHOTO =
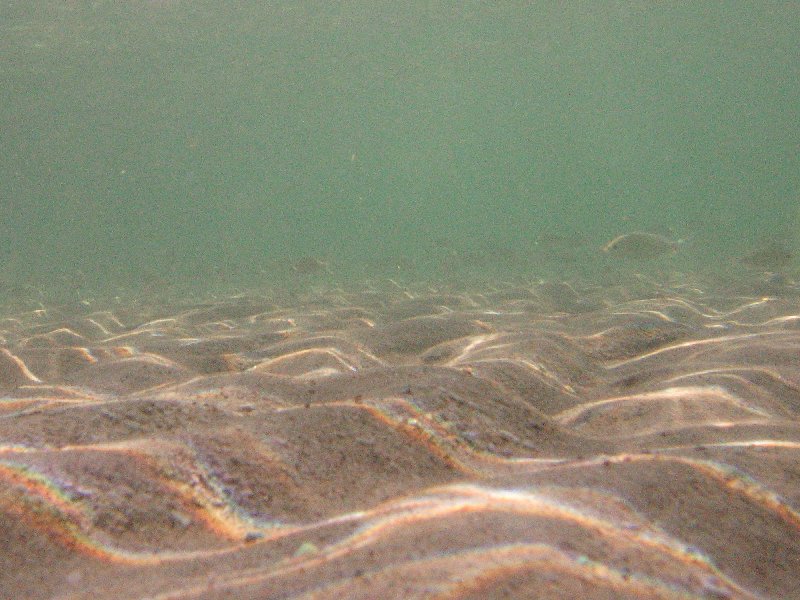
(535, 441)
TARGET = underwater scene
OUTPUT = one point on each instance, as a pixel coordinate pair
(422, 299)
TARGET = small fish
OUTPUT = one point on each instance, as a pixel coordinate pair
(773, 255)
(641, 245)
(309, 265)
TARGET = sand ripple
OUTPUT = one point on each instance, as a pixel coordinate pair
(414, 443)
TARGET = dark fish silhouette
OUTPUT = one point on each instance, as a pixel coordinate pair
(770, 256)
(641, 245)
(309, 265)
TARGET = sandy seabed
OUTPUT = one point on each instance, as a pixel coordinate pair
(547, 440)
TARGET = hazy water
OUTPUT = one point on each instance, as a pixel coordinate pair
(152, 140)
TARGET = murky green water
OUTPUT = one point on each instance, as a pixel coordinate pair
(150, 141)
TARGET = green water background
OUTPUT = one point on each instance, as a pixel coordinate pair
(148, 141)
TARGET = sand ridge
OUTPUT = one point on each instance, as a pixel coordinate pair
(541, 440)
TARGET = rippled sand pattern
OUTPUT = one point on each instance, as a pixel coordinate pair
(535, 441)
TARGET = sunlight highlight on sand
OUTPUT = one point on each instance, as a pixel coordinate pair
(414, 443)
